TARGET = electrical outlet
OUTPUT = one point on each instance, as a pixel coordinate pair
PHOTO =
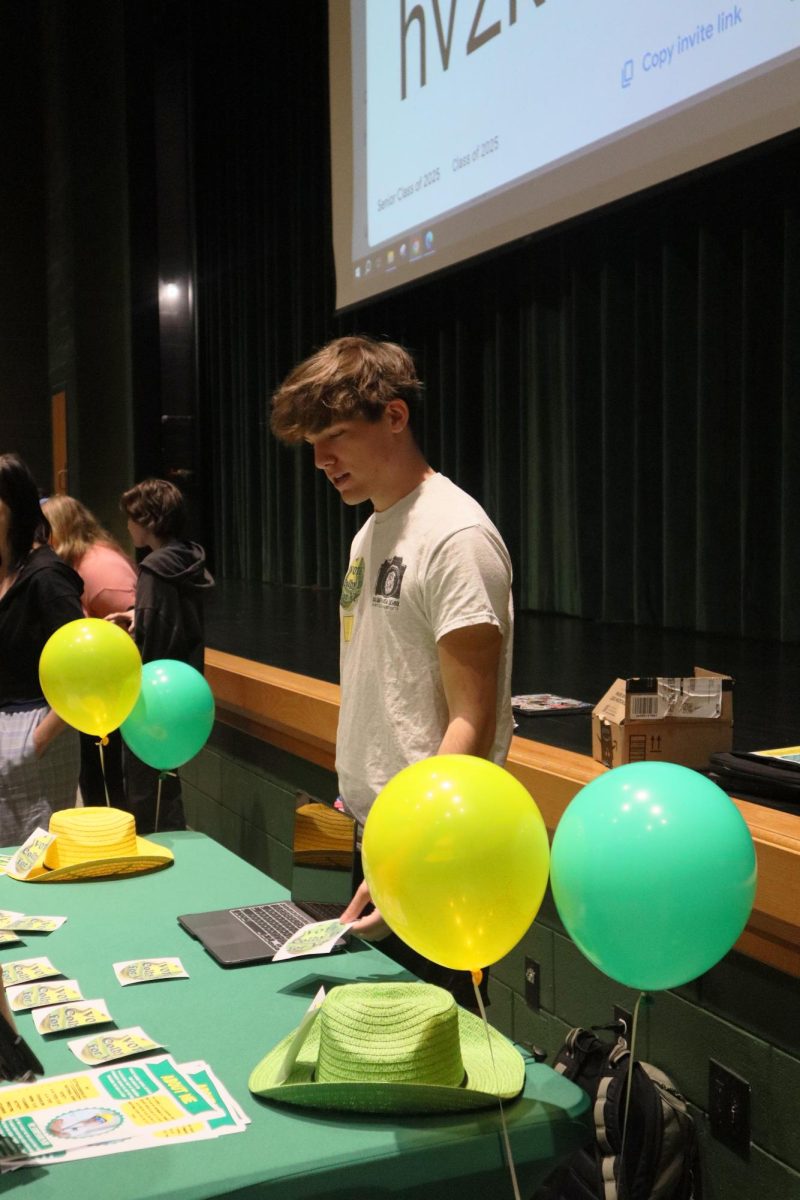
(729, 1108)
(532, 971)
(622, 1014)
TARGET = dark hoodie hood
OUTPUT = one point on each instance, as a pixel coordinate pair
(182, 563)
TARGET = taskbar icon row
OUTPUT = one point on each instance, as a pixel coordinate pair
(392, 257)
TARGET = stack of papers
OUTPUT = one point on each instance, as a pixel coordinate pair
(13, 923)
(152, 1102)
(542, 704)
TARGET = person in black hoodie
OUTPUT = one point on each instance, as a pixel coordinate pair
(166, 622)
(39, 754)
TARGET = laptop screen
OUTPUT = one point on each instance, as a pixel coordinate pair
(324, 855)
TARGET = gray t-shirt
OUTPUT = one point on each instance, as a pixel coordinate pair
(431, 563)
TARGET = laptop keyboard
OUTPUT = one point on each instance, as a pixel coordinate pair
(272, 923)
(323, 912)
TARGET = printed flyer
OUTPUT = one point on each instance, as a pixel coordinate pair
(33, 924)
(150, 1103)
(30, 854)
(122, 1043)
(318, 937)
(28, 970)
(57, 1017)
(35, 995)
(149, 970)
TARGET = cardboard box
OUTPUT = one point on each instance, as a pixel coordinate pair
(679, 719)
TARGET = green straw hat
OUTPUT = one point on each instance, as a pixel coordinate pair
(393, 1047)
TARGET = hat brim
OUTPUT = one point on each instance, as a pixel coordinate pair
(149, 857)
(494, 1070)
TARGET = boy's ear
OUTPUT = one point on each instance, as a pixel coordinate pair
(398, 414)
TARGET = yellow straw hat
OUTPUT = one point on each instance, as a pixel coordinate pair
(97, 843)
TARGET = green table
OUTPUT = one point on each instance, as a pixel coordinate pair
(231, 1018)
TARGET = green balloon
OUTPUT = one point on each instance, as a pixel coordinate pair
(653, 872)
(173, 716)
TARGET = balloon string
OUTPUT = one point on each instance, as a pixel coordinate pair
(631, 1061)
(162, 775)
(100, 744)
(477, 976)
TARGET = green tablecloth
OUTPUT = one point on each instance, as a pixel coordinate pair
(230, 1019)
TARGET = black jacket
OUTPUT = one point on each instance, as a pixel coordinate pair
(172, 583)
(44, 596)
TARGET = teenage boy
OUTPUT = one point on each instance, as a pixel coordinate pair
(426, 619)
(166, 622)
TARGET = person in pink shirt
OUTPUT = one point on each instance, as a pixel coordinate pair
(109, 585)
(109, 576)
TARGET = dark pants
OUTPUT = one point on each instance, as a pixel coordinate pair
(91, 779)
(141, 788)
(458, 983)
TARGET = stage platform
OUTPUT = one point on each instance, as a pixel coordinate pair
(296, 629)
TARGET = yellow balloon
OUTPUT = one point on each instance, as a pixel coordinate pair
(91, 674)
(456, 858)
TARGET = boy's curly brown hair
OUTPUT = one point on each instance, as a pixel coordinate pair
(351, 377)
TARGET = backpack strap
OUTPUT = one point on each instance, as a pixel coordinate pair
(608, 1177)
(618, 1055)
(608, 1138)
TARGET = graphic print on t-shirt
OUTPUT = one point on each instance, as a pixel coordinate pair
(353, 583)
(389, 583)
(351, 589)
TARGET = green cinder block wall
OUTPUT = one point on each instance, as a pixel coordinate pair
(242, 792)
(741, 1013)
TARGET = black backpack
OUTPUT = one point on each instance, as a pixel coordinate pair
(660, 1160)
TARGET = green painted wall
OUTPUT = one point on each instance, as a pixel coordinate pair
(742, 1014)
(242, 792)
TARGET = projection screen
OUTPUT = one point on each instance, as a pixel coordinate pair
(458, 126)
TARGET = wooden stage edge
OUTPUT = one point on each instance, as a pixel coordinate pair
(299, 715)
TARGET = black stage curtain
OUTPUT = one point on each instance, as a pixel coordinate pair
(622, 395)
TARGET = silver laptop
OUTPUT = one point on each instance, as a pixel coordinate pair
(324, 858)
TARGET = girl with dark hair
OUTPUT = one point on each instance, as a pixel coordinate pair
(39, 754)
